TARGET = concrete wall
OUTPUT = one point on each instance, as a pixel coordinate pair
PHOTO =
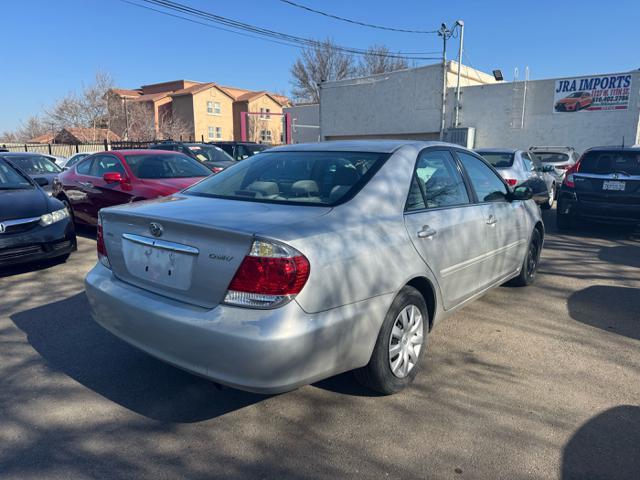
(406, 103)
(307, 116)
(495, 110)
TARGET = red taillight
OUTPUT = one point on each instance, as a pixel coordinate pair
(269, 276)
(512, 182)
(100, 246)
(568, 176)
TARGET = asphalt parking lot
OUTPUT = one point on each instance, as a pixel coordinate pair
(542, 382)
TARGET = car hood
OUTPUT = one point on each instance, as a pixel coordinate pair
(237, 215)
(171, 185)
(22, 204)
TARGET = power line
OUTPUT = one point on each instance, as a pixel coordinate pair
(263, 33)
(356, 22)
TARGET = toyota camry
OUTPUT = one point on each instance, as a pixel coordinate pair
(306, 261)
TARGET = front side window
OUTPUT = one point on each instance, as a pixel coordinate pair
(437, 182)
(310, 178)
(106, 164)
(154, 166)
(488, 186)
(84, 167)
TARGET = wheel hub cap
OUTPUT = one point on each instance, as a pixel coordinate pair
(406, 341)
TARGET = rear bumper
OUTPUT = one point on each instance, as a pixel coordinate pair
(42, 243)
(263, 351)
(602, 212)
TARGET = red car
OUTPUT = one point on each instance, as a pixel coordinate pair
(122, 176)
(574, 102)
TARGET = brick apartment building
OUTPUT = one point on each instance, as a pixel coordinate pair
(196, 111)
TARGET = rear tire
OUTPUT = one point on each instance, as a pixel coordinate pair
(400, 345)
(530, 264)
(552, 196)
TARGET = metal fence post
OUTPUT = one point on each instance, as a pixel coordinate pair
(49, 145)
(25, 148)
(105, 145)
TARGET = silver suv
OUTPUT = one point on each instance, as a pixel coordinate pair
(561, 158)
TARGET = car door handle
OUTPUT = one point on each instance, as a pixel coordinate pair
(426, 232)
(491, 220)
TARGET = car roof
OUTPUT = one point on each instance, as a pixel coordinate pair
(634, 148)
(16, 154)
(497, 150)
(375, 146)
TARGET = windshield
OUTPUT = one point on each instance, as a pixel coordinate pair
(210, 153)
(316, 178)
(173, 165)
(604, 162)
(35, 164)
(10, 179)
(498, 159)
(549, 157)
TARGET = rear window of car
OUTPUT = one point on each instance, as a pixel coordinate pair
(154, 166)
(310, 178)
(550, 157)
(498, 159)
(604, 162)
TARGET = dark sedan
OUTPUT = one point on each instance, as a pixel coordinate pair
(33, 226)
(37, 166)
(214, 158)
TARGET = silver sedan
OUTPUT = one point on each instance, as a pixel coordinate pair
(306, 261)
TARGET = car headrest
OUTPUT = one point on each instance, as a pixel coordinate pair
(305, 188)
(264, 188)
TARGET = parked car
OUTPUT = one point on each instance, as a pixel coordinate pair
(36, 165)
(241, 150)
(124, 176)
(211, 156)
(33, 226)
(519, 168)
(72, 160)
(603, 186)
(309, 260)
(58, 160)
(574, 102)
(562, 158)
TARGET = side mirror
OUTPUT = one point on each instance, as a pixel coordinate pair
(41, 181)
(522, 193)
(113, 177)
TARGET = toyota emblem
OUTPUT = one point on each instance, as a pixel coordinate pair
(155, 229)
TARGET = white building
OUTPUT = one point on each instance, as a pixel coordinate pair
(305, 123)
(408, 104)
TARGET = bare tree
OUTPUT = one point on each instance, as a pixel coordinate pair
(9, 137)
(33, 127)
(377, 60)
(317, 64)
(255, 125)
(141, 124)
(172, 127)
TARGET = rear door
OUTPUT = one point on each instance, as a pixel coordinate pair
(505, 225)
(77, 188)
(446, 228)
(610, 178)
(534, 179)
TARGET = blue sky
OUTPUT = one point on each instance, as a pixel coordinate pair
(50, 48)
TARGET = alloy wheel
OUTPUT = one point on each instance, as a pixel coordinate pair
(406, 341)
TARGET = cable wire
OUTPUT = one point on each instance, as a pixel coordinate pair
(356, 22)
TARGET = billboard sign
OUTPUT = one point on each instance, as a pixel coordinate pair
(589, 94)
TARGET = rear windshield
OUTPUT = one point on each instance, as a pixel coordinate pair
(312, 178)
(545, 157)
(498, 159)
(35, 164)
(11, 179)
(604, 162)
(165, 166)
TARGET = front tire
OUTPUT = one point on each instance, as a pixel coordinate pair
(530, 264)
(400, 345)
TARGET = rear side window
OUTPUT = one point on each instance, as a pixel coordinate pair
(604, 162)
(437, 182)
(313, 178)
(488, 185)
(168, 165)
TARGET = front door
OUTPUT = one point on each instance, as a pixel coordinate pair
(446, 228)
(103, 194)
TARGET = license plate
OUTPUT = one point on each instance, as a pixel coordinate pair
(613, 185)
(157, 265)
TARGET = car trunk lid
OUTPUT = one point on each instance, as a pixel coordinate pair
(609, 177)
(189, 248)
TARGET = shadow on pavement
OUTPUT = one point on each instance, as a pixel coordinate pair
(608, 307)
(607, 446)
(29, 267)
(627, 255)
(589, 229)
(70, 341)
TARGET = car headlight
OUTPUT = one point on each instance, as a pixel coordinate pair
(53, 217)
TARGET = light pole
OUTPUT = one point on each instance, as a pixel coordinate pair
(445, 33)
(459, 23)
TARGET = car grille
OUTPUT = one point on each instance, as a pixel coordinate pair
(14, 253)
(20, 225)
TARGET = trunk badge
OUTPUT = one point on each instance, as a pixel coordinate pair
(155, 229)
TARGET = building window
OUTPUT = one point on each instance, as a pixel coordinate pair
(211, 133)
(265, 113)
(218, 133)
(210, 108)
(265, 136)
(216, 108)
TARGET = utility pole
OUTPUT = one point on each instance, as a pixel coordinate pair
(445, 33)
(459, 23)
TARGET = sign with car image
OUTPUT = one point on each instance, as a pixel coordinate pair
(604, 92)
